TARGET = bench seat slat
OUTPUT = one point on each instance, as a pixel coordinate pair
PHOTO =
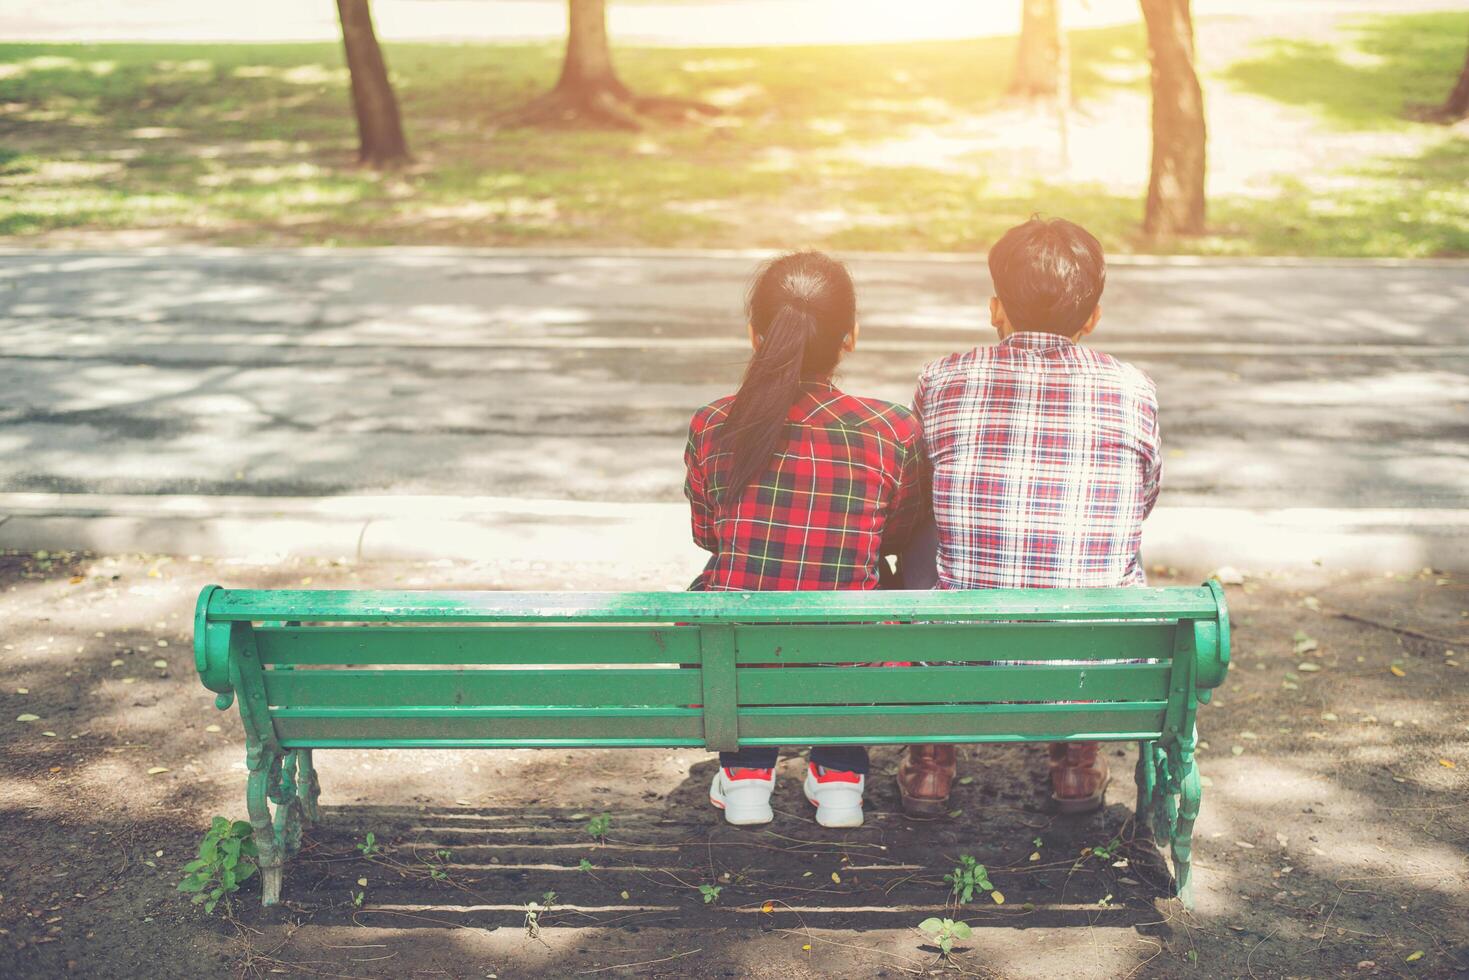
(497, 645)
(917, 685)
(674, 727)
(957, 723)
(587, 688)
(943, 642)
(328, 605)
(518, 726)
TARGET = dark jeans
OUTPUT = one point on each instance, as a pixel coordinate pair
(849, 758)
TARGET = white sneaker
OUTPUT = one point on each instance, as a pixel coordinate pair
(743, 795)
(837, 796)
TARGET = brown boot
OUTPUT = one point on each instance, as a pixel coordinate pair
(1079, 776)
(924, 779)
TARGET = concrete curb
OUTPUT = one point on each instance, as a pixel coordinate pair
(646, 535)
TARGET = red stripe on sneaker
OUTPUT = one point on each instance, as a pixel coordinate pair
(742, 773)
(835, 776)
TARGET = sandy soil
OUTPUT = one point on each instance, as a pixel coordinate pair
(1332, 842)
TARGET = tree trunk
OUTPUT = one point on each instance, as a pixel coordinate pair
(1457, 104)
(1176, 188)
(589, 89)
(588, 63)
(1038, 56)
(379, 128)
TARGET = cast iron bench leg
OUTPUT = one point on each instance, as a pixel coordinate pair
(1183, 835)
(265, 844)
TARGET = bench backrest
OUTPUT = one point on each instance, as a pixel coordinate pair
(524, 669)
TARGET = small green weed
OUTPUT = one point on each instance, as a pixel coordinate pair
(970, 876)
(944, 932)
(598, 826)
(585, 865)
(368, 845)
(710, 893)
(224, 861)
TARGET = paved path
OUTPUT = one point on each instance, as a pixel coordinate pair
(559, 385)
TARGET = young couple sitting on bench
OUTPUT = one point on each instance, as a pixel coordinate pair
(1030, 463)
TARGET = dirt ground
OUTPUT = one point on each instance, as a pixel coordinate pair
(1332, 841)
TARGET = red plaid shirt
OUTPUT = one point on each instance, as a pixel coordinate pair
(840, 493)
(1045, 461)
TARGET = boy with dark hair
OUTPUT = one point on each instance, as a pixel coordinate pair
(1045, 462)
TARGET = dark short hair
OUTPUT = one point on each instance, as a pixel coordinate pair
(1049, 274)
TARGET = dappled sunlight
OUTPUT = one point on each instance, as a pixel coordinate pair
(295, 74)
(261, 175)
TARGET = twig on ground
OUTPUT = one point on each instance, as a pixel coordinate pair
(624, 966)
(1404, 630)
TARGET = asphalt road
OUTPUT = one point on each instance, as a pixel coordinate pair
(302, 374)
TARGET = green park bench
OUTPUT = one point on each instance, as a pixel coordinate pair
(514, 670)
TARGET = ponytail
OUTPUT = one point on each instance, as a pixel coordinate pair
(757, 420)
(801, 307)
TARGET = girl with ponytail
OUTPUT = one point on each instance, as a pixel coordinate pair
(795, 485)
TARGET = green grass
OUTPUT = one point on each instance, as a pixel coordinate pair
(256, 144)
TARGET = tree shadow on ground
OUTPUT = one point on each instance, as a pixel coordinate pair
(1379, 75)
(1356, 831)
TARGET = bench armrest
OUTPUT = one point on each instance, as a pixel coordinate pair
(212, 650)
(1211, 644)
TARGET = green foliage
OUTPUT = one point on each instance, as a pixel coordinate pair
(710, 893)
(357, 898)
(585, 865)
(969, 877)
(598, 826)
(945, 931)
(1108, 850)
(368, 845)
(225, 860)
(436, 871)
(534, 911)
(251, 144)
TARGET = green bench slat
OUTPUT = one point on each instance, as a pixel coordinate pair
(309, 727)
(483, 645)
(915, 685)
(514, 727)
(369, 606)
(951, 723)
(587, 688)
(856, 643)
(675, 687)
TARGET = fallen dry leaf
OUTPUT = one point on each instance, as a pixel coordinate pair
(1447, 763)
(157, 770)
(836, 877)
(1397, 671)
(27, 717)
(212, 728)
(998, 897)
